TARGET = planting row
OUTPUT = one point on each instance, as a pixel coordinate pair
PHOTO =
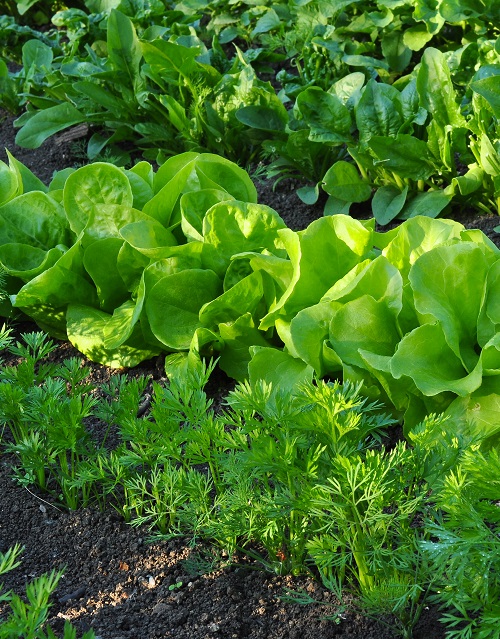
(128, 263)
(367, 107)
(298, 480)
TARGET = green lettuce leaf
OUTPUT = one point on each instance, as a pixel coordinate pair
(173, 314)
(320, 256)
(86, 328)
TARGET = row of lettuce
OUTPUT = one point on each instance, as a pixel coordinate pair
(396, 103)
(130, 263)
(297, 479)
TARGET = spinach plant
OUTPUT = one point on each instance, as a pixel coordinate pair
(161, 92)
(410, 142)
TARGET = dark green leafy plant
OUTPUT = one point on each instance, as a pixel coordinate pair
(12, 38)
(410, 142)
(159, 92)
(162, 86)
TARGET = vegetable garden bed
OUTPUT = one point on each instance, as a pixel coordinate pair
(121, 584)
(160, 497)
(108, 565)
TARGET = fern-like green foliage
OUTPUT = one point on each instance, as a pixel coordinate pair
(28, 617)
(298, 478)
(465, 546)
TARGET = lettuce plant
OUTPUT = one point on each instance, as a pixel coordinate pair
(96, 266)
(429, 283)
(109, 255)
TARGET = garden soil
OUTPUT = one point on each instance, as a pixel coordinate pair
(125, 586)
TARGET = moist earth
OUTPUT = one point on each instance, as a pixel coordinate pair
(122, 584)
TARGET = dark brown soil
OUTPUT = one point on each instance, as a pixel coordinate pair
(119, 584)
(50, 157)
